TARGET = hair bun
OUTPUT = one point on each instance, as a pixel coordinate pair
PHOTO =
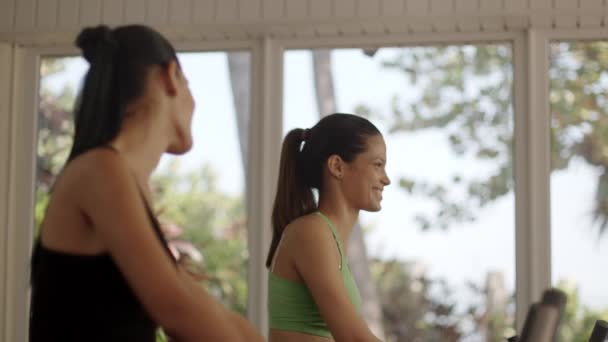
(93, 40)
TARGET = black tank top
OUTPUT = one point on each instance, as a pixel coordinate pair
(86, 298)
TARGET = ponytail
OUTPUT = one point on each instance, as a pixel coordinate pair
(119, 60)
(294, 196)
(96, 118)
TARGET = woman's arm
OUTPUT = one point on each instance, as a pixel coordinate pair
(113, 204)
(238, 322)
(316, 258)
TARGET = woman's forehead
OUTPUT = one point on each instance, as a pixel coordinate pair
(375, 143)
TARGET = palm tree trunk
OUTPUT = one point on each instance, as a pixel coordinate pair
(239, 67)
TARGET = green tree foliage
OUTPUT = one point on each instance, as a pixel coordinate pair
(410, 312)
(579, 118)
(417, 307)
(55, 126)
(466, 91)
(55, 129)
(578, 320)
(208, 222)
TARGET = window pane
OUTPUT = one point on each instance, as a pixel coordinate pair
(441, 254)
(579, 182)
(200, 196)
(59, 82)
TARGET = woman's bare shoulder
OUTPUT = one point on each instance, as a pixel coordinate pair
(96, 168)
(307, 229)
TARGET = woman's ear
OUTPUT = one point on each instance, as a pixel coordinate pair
(171, 75)
(335, 164)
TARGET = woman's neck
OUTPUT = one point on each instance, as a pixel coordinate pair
(341, 215)
(142, 155)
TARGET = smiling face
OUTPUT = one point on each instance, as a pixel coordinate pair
(365, 177)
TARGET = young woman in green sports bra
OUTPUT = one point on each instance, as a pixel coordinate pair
(312, 295)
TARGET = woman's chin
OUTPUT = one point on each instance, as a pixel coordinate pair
(374, 208)
(178, 149)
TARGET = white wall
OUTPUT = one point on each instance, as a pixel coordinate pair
(239, 19)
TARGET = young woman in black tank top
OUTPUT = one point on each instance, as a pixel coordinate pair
(101, 269)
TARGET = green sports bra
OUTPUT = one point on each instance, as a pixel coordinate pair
(291, 306)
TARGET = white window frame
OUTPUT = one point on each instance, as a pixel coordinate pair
(17, 164)
(18, 97)
(6, 80)
(546, 38)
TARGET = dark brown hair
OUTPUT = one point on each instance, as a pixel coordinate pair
(303, 156)
(119, 60)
